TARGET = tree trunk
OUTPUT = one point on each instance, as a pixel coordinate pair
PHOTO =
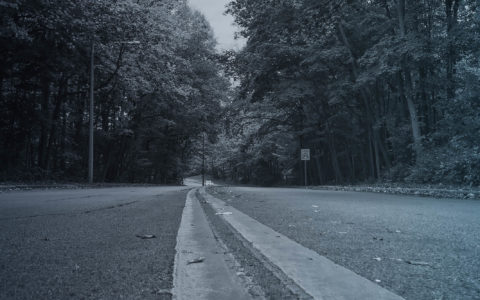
(334, 156)
(371, 156)
(43, 125)
(377, 157)
(408, 96)
(54, 119)
(451, 10)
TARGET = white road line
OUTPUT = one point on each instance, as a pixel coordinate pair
(211, 278)
(315, 274)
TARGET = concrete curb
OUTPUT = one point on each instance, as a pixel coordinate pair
(200, 268)
(316, 275)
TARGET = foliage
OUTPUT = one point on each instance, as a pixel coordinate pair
(153, 99)
(378, 90)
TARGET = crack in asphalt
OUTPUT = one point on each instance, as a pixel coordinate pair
(71, 214)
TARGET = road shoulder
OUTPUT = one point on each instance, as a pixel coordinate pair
(315, 274)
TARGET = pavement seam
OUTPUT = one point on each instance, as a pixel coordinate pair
(71, 214)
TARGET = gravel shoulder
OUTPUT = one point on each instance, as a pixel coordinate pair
(16, 186)
(420, 248)
(435, 191)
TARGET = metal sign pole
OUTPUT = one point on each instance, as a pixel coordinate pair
(305, 155)
(305, 167)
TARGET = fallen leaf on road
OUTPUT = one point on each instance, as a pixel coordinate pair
(162, 292)
(196, 261)
(397, 259)
(417, 263)
(377, 258)
(145, 236)
(224, 213)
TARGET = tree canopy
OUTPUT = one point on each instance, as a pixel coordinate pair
(378, 90)
(158, 87)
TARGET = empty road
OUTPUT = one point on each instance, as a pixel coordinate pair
(419, 248)
(83, 244)
(122, 243)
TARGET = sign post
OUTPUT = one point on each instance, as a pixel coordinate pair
(305, 155)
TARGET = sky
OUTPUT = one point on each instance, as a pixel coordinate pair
(222, 25)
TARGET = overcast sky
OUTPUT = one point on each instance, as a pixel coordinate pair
(222, 24)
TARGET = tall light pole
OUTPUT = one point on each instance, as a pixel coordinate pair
(92, 116)
(203, 159)
(90, 133)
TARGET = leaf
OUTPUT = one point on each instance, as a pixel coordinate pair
(224, 213)
(196, 260)
(145, 236)
(417, 263)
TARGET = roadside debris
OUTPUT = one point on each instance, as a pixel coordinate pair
(162, 292)
(396, 259)
(378, 280)
(196, 260)
(377, 258)
(224, 213)
(438, 191)
(145, 236)
(417, 263)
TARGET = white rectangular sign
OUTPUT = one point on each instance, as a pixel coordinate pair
(305, 154)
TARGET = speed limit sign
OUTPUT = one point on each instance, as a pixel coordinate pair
(305, 154)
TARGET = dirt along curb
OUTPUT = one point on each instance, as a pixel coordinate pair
(11, 187)
(453, 193)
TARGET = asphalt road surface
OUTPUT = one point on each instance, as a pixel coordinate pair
(418, 248)
(86, 243)
(83, 243)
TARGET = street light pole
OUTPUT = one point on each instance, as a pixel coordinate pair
(90, 142)
(203, 159)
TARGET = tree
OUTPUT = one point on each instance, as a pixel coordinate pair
(369, 86)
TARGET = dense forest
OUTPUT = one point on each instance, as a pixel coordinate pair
(379, 90)
(157, 87)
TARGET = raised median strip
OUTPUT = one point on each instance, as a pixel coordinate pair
(316, 275)
(201, 268)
